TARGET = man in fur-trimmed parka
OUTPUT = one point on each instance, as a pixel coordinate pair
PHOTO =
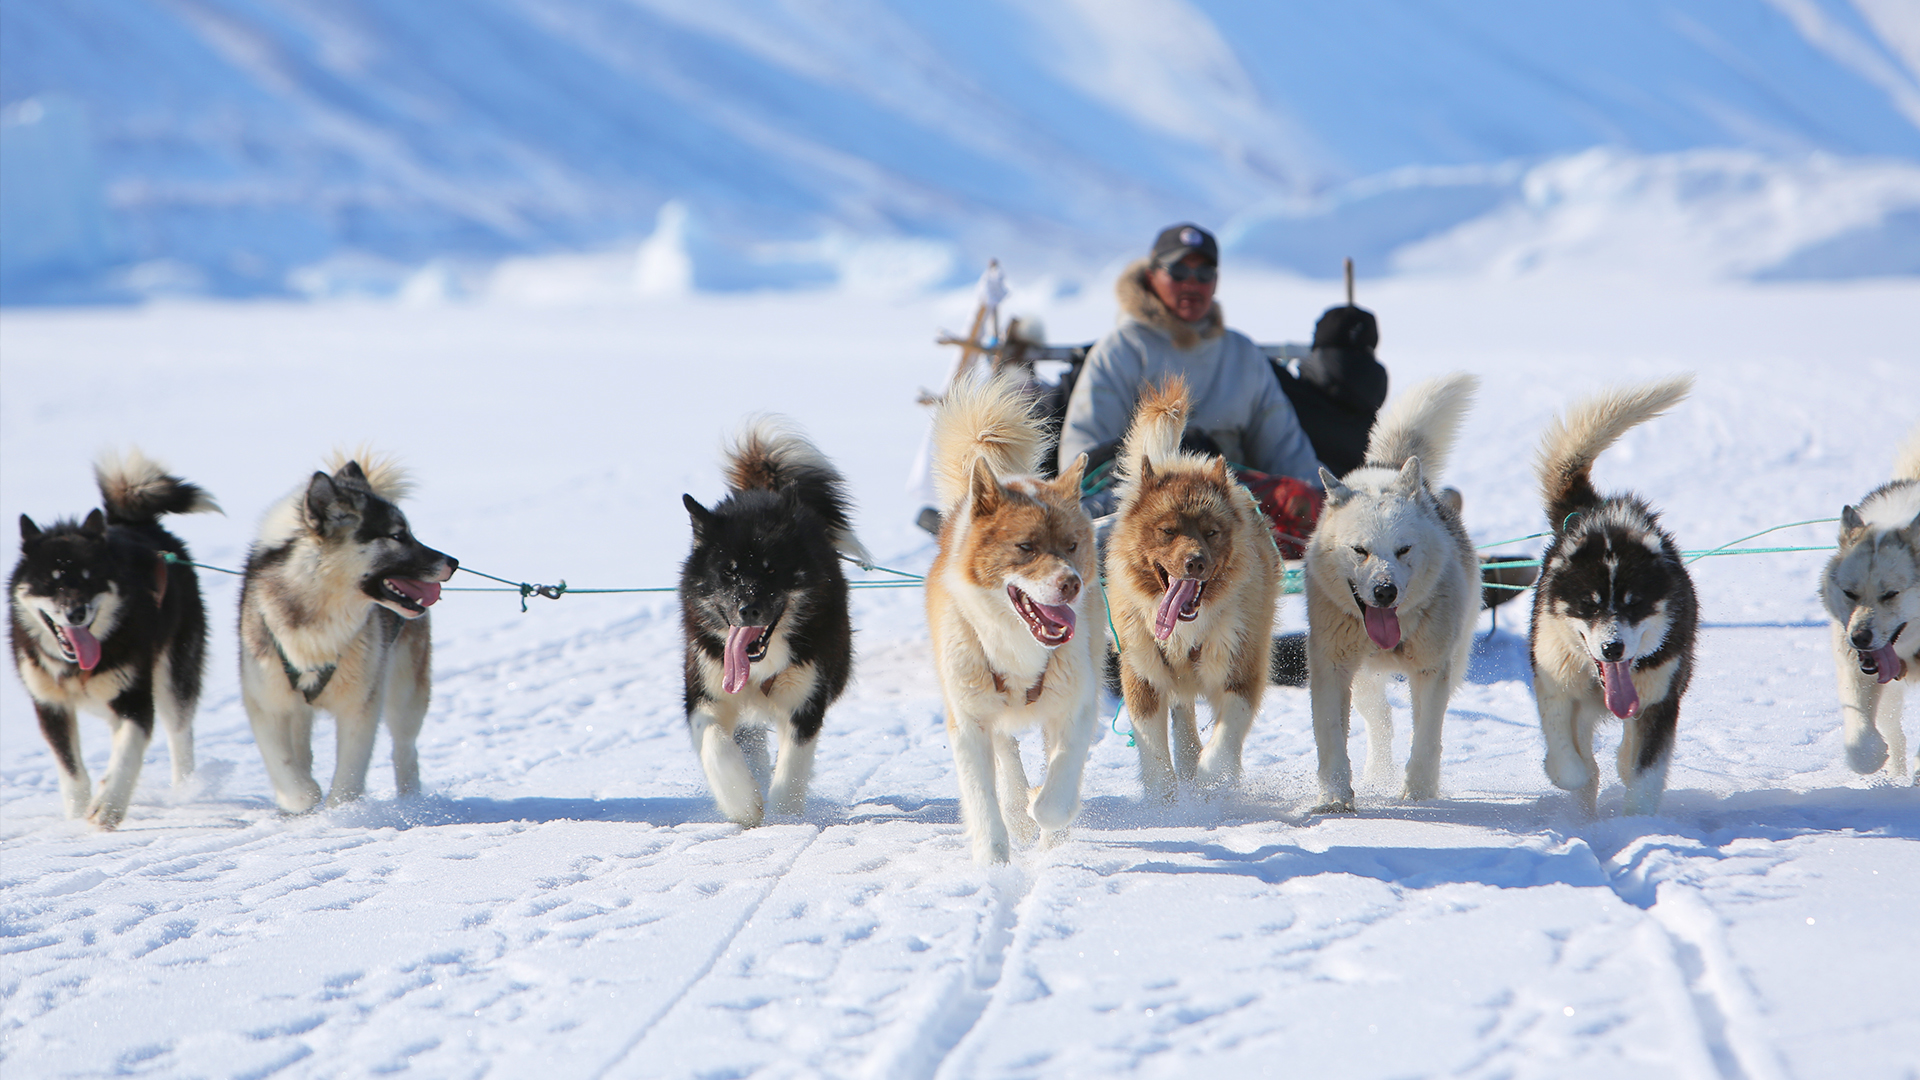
(1170, 325)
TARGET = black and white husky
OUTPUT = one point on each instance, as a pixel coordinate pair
(103, 622)
(333, 615)
(763, 605)
(1614, 614)
(1872, 589)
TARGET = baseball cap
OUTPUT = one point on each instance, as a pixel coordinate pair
(1176, 242)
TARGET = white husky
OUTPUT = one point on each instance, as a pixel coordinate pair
(1872, 589)
(1392, 585)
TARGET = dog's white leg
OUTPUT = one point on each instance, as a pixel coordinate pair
(735, 791)
(409, 689)
(1567, 765)
(973, 768)
(1057, 801)
(176, 719)
(1370, 701)
(130, 740)
(1185, 739)
(1219, 767)
(1860, 697)
(355, 727)
(793, 773)
(1010, 781)
(1430, 691)
(61, 726)
(752, 741)
(282, 725)
(1330, 690)
(1147, 713)
(1887, 718)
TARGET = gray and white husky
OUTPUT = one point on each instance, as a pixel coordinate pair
(333, 615)
(103, 621)
(1614, 613)
(1392, 585)
(1872, 589)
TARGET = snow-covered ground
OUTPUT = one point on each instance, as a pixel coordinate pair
(563, 901)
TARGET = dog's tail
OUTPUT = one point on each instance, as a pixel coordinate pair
(1573, 441)
(1422, 422)
(1159, 420)
(983, 419)
(385, 475)
(1906, 463)
(771, 454)
(137, 490)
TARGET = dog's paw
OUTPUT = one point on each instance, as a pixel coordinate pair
(1022, 828)
(1054, 806)
(105, 815)
(1867, 752)
(1334, 806)
(1567, 771)
(1217, 774)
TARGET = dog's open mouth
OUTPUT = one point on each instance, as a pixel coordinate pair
(1180, 603)
(1616, 685)
(745, 646)
(1051, 624)
(411, 593)
(77, 643)
(1883, 663)
(1383, 623)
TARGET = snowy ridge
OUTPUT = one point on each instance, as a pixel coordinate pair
(270, 146)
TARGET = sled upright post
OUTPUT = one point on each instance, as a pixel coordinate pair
(1349, 281)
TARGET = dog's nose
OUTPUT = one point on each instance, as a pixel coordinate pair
(77, 616)
(1862, 638)
(1196, 565)
(1069, 588)
(1613, 650)
(1385, 594)
(753, 615)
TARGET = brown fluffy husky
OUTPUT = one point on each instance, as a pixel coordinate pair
(1193, 577)
(1016, 618)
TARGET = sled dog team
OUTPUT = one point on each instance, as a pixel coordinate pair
(106, 615)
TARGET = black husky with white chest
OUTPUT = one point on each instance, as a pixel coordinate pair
(763, 605)
(103, 621)
(1614, 612)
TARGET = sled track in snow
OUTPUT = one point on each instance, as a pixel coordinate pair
(706, 969)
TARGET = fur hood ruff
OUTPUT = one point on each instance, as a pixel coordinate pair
(1137, 301)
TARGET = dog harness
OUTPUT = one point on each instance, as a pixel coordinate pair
(320, 675)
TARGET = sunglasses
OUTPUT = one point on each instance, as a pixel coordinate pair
(1180, 271)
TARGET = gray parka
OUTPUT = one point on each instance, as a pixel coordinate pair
(1237, 400)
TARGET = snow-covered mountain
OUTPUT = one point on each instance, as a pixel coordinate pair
(263, 146)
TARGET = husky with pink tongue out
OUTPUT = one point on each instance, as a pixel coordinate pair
(333, 617)
(1393, 586)
(763, 605)
(1193, 579)
(107, 619)
(1015, 614)
(1614, 612)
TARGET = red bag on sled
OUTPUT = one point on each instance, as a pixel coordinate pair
(1292, 506)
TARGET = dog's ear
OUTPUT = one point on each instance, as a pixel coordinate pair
(95, 525)
(703, 518)
(1411, 479)
(1851, 525)
(330, 505)
(1218, 470)
(1069, 481)
(1147, 475)
(1337, 492)
(983, 488)
(28, 530)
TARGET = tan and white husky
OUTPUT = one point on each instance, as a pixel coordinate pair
(1193, 578)
(1015, 613)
